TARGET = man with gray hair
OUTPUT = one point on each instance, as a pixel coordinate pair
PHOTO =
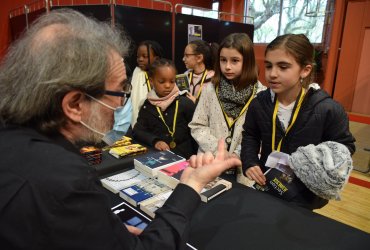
(60, 85)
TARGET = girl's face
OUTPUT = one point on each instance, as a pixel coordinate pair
(283, 73)
(190, 58)
(164, 80)
(231, 63)
(142, 57)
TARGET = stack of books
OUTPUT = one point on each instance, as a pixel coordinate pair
(124, 147)
(153, 179)
(171, 177)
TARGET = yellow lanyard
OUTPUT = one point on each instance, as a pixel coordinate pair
(147, 82)
(172, 133)
(201, 82)
(231, 123)
(301, 97)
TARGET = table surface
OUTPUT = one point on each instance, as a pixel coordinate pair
(243, 218)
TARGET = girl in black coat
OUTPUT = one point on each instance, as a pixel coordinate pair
(290, 114)
(164, 117)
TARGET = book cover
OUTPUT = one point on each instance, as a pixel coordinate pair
(128, 150)
(281, 182)
(144, 190)
(119, 181)
(182, 82)
(214, 188)
(154, 161)
(131, 216)
(171, 174)
(151, 205)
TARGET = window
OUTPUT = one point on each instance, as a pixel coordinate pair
(202, 12)
(273, 18)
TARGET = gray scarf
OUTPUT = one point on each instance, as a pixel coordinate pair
(232, 100)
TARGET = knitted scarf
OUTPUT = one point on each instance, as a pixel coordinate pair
(163, 102)
(232, 100)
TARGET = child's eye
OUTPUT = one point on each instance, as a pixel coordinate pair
(268, 66)
(222, 60)
(235, 61)
(283, 67)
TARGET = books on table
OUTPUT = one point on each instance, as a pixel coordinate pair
(151, 162)
(153, 179)
(127, 150)
(119, 181)
(143, 190)
(151, 205)
(171, 177)
(214, 188)
(131, 216)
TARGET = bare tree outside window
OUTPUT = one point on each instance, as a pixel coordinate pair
(273, 18)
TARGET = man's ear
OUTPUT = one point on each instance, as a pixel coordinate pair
(72, 105)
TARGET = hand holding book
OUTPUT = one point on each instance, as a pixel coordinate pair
(205, 167)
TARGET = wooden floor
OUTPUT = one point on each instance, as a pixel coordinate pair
(354, 207)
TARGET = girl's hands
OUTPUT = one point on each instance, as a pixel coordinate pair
(191, 97)
(255, 173)
(161, 145)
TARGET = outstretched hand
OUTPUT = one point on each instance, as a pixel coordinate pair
(204, 167)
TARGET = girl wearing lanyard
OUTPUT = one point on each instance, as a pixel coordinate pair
(147, 52)
(199, 58)
(164, 117)
(221, 109)
(292, 113)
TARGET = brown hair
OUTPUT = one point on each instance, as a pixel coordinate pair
(244, 45)
(299, 47)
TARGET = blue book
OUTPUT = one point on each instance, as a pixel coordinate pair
(141, 191)
(151, 162)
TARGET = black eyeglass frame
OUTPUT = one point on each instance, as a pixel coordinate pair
(123, 94)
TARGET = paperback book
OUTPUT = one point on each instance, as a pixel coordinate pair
(128, 150)
(281, 182)
(151, 205)
(171, 174)
(143, 190)
(171, 177)
(131, 216)
(119, 181)
(150, 163)
(182, 82)
(214, 188)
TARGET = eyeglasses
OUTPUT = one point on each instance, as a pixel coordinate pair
(187, 55)
(124, 94)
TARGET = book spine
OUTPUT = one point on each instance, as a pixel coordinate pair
(127, 198)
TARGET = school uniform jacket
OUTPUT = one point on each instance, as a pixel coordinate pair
(208, 124)
(320, 119)
(150, 128)
(51, 199)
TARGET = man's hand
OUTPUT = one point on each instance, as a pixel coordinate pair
(205, 167)
(134, 230)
